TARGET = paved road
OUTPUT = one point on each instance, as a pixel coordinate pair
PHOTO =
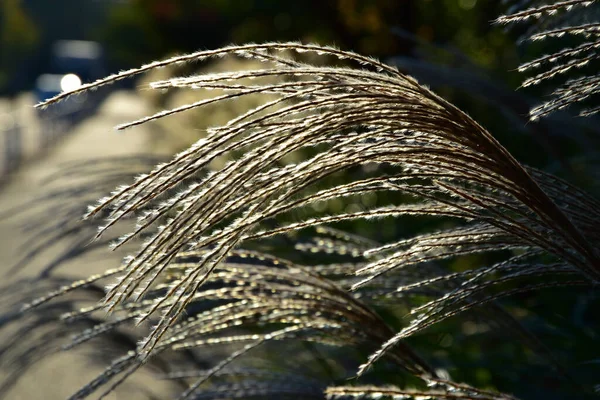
(93, 138)
(21, 136)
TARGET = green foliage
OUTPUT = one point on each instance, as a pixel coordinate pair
(18, 37)
(161, 27)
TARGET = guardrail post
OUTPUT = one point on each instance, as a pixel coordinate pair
(11, 144)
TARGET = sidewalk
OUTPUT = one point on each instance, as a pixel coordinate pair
(91, 139)
(60, 376)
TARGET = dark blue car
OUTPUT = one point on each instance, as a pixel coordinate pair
(72, 63)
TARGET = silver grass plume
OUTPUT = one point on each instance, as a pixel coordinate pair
(55, 216)
(435, 156)
(247, 290)
(577, 21)
(217, 318)
(444, 391)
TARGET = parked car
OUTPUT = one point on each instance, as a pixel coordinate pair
(72, 63)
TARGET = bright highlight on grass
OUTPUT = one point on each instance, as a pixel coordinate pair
(70, 82)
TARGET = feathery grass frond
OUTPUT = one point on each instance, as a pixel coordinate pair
(576, 20)
(447, 391)
(39, 336)
(56, 216)
(196, 287)
(373, 115)
(247, 290)
(538, 9)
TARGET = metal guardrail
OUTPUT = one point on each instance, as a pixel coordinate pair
(25, 132)
(24, 137)
(11, 144)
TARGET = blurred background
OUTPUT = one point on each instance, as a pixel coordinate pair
(450, 45)
(46, 47)
(136, 31)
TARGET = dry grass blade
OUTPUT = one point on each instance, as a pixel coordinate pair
(55, 217)
(373, 115)
(193, 282)
(540, 11)
(445, 391)
(277, 299)
(250, 383)
(573, 20)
